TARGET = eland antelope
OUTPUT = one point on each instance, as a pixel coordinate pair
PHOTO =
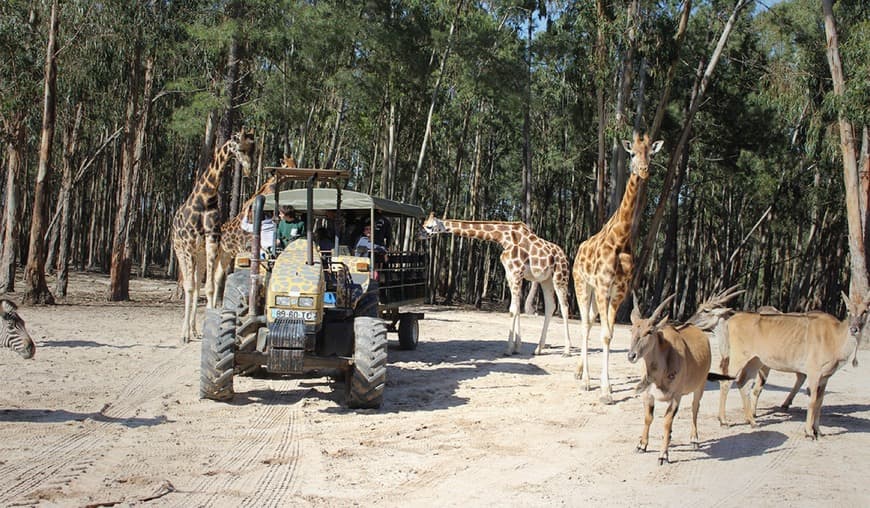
(812, 345)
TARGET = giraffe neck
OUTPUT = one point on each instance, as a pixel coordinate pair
(620, 224)
(499, 232)
(210, 181)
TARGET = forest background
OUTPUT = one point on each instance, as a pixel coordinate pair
(500, 110)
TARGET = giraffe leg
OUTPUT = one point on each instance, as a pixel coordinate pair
(212, 250)
(562, 295)
(608, 319)
(220, 273)
(185, 265)
(516, 287)
(549, 308)
(194, 299)
(587, 313)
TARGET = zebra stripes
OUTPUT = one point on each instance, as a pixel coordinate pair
(13, 334)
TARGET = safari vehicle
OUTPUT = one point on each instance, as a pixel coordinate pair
(307, 311)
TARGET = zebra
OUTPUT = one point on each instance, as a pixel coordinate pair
(12, 332)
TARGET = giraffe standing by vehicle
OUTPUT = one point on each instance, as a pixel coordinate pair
(234, 239)
(604, 264)
(196, 227)
(525, 256)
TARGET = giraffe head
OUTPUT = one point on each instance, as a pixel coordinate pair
(242, 148)
(433, 225)
(641, 151)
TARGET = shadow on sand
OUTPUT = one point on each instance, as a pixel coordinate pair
(62, 415)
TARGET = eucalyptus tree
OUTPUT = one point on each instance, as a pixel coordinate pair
(36, 288)
(20, 80)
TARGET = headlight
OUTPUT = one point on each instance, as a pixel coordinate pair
(285, 301)
(306, 301)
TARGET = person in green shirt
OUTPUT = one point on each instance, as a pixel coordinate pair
(291, 226)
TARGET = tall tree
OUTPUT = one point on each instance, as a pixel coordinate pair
(36, 288)
(859, 284)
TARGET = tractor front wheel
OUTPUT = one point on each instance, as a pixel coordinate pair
(368, 374)
(217, 356)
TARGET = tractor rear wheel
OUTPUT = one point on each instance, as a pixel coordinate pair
(368, 374)
(217, 356)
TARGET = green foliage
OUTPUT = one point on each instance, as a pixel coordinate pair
(333, 78)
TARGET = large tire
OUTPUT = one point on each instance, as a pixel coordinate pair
(409, 332)
(368, 304)
(218, 355)
(236, 293)
(368, 375)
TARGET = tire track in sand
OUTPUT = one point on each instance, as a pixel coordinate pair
(259, 467)
(58, 462)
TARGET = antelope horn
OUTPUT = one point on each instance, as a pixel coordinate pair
(662, 306)
(719, 299)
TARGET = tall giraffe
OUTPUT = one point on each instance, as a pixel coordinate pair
(603, 265)
(196, 232)
(525, 256)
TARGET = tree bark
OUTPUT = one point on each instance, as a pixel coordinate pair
(134, 140)
(618, 172)
(34, 273)
(527, 129)
(680, 150)
(601, 65)
(858, 287)
(412, 197)
(664, 100)
(229, 207)
(15, 130)
(69, 153)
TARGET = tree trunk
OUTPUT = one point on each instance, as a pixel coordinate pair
(34, 273)
(664, 100)
(527, 129)
(859, 281)
(229, 207)
(15, 147)
(412, 197)
(680, 150)
(601, 65)
(134, 140)
(618, 172)
(70, 150)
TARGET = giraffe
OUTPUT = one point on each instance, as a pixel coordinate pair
(603, 265)
(196, 230)
(525, 256)
(235, 240)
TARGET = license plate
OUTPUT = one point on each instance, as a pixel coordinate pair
(304, 315)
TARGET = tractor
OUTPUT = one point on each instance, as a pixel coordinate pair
(300, 310)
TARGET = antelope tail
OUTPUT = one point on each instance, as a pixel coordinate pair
(714, 376)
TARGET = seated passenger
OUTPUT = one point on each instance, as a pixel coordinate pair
(291, 226)
(364, 244)
(267, 231)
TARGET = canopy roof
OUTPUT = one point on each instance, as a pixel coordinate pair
(325, 199)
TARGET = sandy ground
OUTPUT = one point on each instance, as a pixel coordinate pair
(108, 413)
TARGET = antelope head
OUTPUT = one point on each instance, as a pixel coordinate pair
(857, 315)
(644, 332)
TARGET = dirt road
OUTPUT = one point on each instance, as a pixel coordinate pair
(108, 412)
